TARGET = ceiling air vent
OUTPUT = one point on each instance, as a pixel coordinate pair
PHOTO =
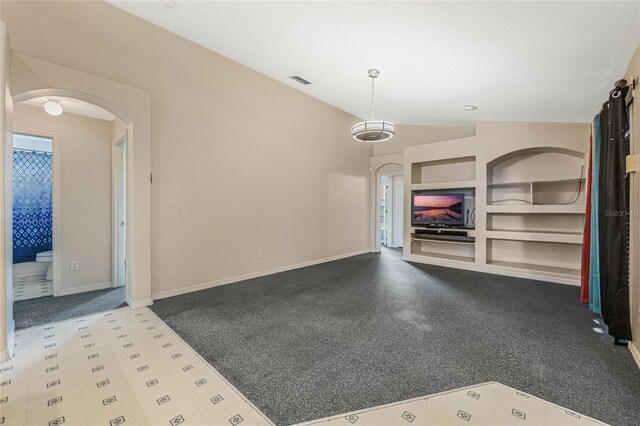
(299, 79)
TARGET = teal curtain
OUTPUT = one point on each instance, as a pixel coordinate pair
(594, 267)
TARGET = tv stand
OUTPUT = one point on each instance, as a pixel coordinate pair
(443, 236)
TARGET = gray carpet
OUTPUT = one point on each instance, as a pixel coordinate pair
(373, 329)
(32, 312)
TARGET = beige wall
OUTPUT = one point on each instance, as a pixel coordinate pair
(407, 135)
(633, 72)
(85, 193)
(6, 259)
(253, 164)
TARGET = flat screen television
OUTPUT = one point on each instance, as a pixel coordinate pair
(437, 209)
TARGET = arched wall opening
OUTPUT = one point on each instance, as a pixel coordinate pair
(394, 232)
(30, 77)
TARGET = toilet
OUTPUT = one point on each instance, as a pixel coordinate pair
(46, 257)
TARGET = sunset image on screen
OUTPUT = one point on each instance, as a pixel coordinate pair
(438, 208)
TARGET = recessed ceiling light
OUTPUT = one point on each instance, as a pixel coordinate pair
(169, 3)
(53, 107)
(470, 107)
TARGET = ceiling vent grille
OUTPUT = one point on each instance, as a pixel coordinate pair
(299, 79)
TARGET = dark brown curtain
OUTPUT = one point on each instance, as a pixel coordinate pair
(613, 217)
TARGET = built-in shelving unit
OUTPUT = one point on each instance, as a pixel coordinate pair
(445, 185)
(549, 237)
(551, 271)
(543, 213)
(446, 171)
(546, 209)
(539, 182)
(451, 174)
(446, 250)
(528, 199)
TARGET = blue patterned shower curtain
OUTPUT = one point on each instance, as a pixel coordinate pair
(32, 209)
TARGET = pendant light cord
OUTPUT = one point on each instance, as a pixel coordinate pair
(373, 89)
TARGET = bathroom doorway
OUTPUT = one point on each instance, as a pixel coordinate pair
(33, 215)
(82, 268)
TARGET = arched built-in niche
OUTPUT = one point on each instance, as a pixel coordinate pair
(535, 210)
(537, 176)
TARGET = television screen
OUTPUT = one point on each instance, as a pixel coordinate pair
(437, 209)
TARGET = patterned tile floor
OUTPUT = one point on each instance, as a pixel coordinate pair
(484, 404)
(128, 367)
(119, 367)
(31, 287)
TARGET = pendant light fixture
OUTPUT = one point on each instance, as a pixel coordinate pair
(373, 130)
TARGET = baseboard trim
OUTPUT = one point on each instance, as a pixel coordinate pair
(224, 281)
(84, 288)
(139, 304)
(633, 348)
(492, 269)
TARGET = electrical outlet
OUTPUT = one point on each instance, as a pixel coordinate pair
(261, 254)
(355, 241)
(550, 247)
(169, 200)
(74, 265)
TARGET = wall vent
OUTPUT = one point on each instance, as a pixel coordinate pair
(299, 79)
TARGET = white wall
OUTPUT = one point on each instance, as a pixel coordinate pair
(85, 193)
(252, 164)
(407, 135)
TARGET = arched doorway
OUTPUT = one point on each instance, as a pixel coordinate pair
(387, 198)
(132, 105)
(68, 195)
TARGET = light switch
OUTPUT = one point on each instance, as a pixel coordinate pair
(169, 200)
(632, 163)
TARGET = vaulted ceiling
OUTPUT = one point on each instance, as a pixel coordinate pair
(517, 61)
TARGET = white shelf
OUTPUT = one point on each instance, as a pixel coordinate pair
(537, 208)
(548, 237)
(552, 270)
(432, 240)
(444, 185)
(444, 256)
(535, 182)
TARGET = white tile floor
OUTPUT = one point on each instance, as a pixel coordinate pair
(484, 404)
(31, 287)
(124, 366)
(128, 367)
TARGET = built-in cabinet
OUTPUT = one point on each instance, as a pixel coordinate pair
(527, 184)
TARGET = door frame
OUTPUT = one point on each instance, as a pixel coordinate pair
(398, 211)
(377, 168)
(390, 212)
(118, 202)
(56, 231)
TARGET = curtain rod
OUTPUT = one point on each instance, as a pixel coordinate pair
(31, 150)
